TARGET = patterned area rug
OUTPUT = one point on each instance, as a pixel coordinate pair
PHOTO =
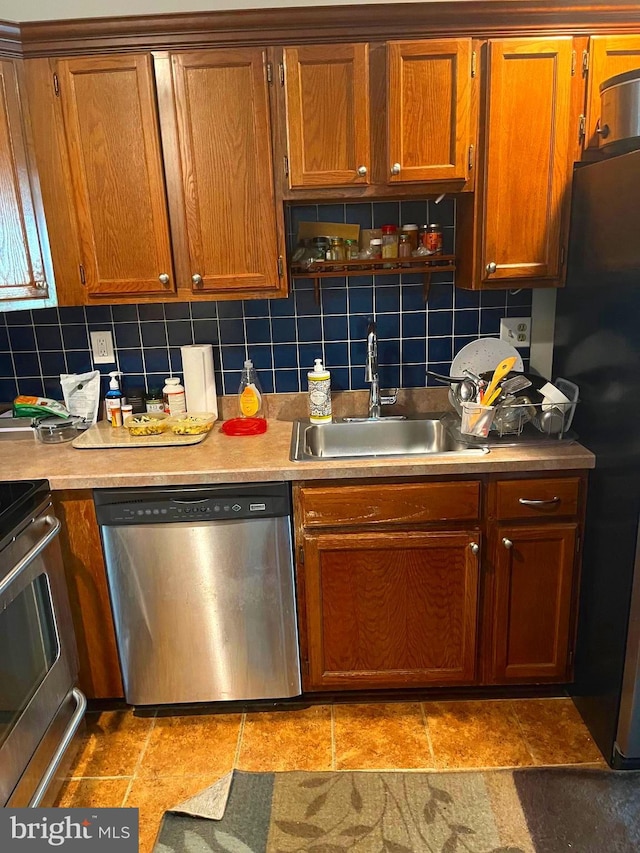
(551, 810)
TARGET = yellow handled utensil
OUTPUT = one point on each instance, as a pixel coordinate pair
(499, 373)
(489, 401)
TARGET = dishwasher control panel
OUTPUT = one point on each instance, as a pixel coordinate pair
(194, 505)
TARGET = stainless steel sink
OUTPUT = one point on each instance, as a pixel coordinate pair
(423, 436)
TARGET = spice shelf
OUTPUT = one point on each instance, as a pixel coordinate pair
(426, 265)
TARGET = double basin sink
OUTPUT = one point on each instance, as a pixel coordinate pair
(382, 437)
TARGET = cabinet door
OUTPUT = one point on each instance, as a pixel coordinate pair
(527, 158)
(117, 175)
(22, 274)
(608, 55)
(224, 138)
(327, 98)
(429, 99)
(390, 609)
(532, 618)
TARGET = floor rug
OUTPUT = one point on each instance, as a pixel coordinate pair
(549, 810)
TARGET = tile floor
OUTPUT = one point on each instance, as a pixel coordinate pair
(154, 763)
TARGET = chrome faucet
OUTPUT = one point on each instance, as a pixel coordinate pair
(371, 371)
(371, 376)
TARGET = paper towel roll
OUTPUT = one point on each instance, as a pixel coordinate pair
(199, 378)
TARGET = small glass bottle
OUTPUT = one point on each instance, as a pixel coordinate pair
(404, 247)
(351, 250)
(153, 400)
(375, 249)
(412, 231)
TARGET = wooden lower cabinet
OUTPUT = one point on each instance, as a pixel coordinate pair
(391, 609)
(99, 674)
(534, 568)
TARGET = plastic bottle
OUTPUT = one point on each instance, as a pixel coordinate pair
(113, 400)
(249, 392)
(173, 396)
(319, 393)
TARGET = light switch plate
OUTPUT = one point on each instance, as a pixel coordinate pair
(516, 331)
(102, 348)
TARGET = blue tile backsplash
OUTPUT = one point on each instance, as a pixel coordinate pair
(281, 336)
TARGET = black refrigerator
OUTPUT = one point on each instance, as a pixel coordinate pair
(597, 345)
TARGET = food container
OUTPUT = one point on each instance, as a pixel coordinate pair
(55, 430)
(151, 423)
(191, 423)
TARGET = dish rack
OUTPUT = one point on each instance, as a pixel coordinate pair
(551, 419)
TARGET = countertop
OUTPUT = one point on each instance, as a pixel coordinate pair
(223, 459)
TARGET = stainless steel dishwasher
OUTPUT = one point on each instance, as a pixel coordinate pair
(202, 590)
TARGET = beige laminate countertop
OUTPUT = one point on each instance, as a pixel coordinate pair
(223, 459)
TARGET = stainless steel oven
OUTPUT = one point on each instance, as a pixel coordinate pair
(40, 707)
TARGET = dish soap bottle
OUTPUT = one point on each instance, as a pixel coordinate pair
(249, 393)
(319, 393)
(113, 400)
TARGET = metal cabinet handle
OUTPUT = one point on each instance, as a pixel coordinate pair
(603, 130)
(475, 548)
(163, 278)
(532, 502)
(32, 553)
(491, 267)
(197, 280)
(508, 544)
(362, 171)
(396, 169)
(58, 755)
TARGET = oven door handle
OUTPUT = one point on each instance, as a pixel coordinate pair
(67, 737)
(31, 554)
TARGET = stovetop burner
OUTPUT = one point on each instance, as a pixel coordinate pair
(17, 500)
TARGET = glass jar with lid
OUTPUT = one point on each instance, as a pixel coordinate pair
(351, 250)
(337, 249)
(321, 247)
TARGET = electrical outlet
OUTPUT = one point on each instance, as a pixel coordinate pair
(516, 331)
(102, 348)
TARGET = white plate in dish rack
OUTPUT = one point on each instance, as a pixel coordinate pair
(480, 356)
(483, 355)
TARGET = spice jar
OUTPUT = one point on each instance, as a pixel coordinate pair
(433, 239)
(154, 401)
(337, 249)
(321, 245)
(412, 232)
(389, 241)
(375, 249)
(351, 250)
(404, 247)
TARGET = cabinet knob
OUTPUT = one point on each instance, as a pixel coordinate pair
(362, 171)
(197, 280)
(163, 278)
(475, 548)
(491, 267)
(602, 130)
(396, 168)
(508, 544)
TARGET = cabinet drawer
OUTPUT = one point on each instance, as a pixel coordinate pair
(412, 503)
(537, 498)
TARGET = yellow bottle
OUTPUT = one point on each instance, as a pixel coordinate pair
(250, 393)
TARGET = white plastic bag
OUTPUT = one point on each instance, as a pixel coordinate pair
(81, 392)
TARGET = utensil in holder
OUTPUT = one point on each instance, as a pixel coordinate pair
(476, 419)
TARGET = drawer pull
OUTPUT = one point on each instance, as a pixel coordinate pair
(531, 502)
(475, 548)
(508, 544)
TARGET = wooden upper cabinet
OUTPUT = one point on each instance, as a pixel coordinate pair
(327, 105)
(22, 272)
(429, 109)
(608, 56)
(527, 158)
(534, 587)
(220, 110)
(117, 175)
